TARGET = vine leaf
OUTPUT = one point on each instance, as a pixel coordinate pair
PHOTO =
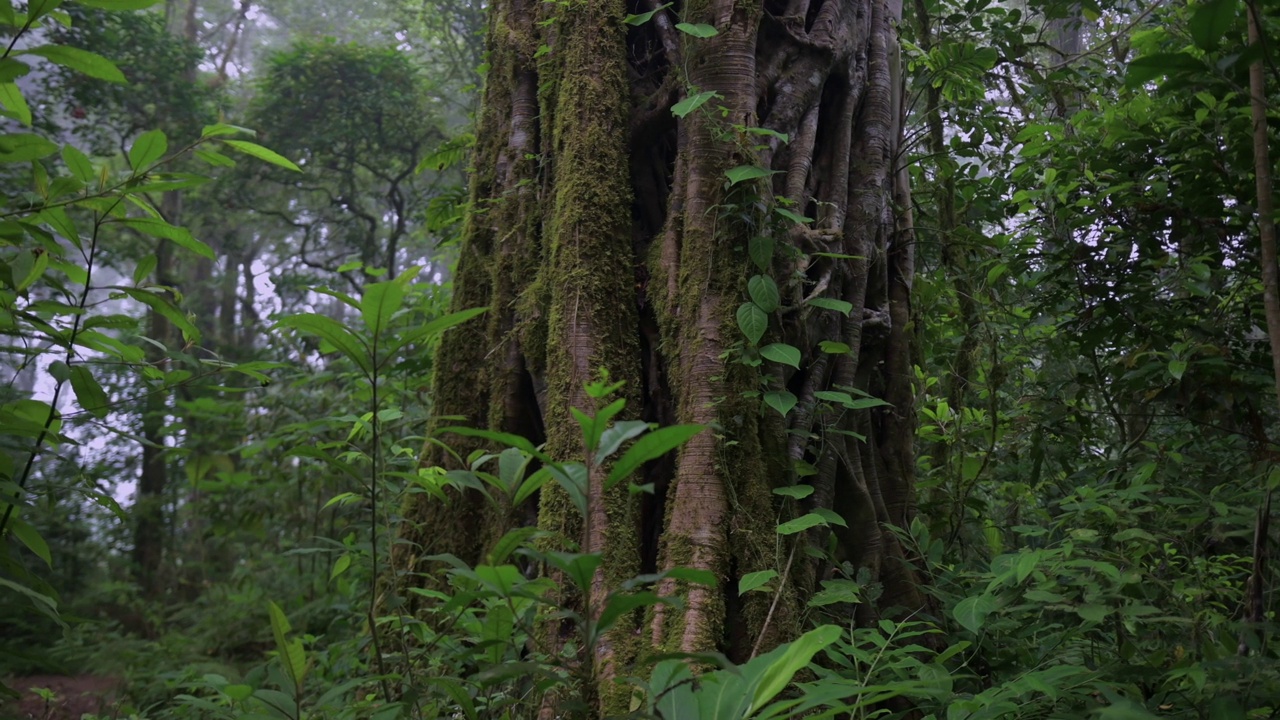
(782, 353)
(764, 292)
(693, 102)
(643, 18)
(780, 400)
(753, 321)
(755, 581)
(698, 30)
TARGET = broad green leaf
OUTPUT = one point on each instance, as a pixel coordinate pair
(263, 154)
(972, 612)
(82, 61)
(144, 269)
(782, 353)
(698, 30)
(510, 542)
(768, 132)
(835, 348)
(831, 516)
(742, 173)
(753, 321)
(650, 447)
(79, 164)
(836, 591)
(693, 102)
(834, 396)
(793, 659)
(333, 332)
(839, 306)
(1211, 20)
(796, 492)
(340, 566)
(32, 539)
(643, 18)
(37, 9)
(864, 403)
(760, 248)
(177, 235)
(166, 308)
(1092, 612)
(764, 292)
(89, 393)
(780, 400)
(800, 524)
(24, 147)
(34, 271)
(11, 97)
(794, 217)
(1177, 367)
(44, 603)
(620, 604)
(613, 437)
(379, 303)
(148, 148)
(292, 656)
(754, 580)
(1150, 67)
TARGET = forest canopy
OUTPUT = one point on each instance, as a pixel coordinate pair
(617, 359)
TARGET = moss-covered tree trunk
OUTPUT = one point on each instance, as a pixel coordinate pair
(609, 233)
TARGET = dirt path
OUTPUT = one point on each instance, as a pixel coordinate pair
(73, 697)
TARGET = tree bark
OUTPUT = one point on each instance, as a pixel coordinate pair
(606, 235)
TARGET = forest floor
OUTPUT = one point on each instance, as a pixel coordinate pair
(72, 697)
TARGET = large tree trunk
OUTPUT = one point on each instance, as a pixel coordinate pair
(605, 236)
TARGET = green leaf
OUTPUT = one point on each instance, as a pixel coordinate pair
(613, 437)
(216, 159)
(263, 154)
(793, 216)
(793, 659)
(11, 97)
(1211, 21)
(39, 263)
(333, 332)
(650, 447)
(1150, 67)
(1092, 612)
(32, 539)
(88, 392)
(797, 492)
(144, 268)
(119, 5)
(643, 18)
(24, 147)
(82, 61)
(753, 321)
(834, 348)
(164, 307)
(972, 612)
(839, 306)
(379, 303)
(764, 292)
(1177, 367)
(761, 251)
(620, 604)
(340, 566)
(79, 164)
(782, 353)
(292, 656)
(754, 580)
(693, 102)
(780, 400)
(178, 236)
(831, 516)
(221, 129)
(800, 524)
(742, 173)
(148, 148)
(698, 30)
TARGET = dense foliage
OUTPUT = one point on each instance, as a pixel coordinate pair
(220, 347)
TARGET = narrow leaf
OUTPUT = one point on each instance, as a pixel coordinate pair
(89, 393)
(651, 447)
(148, 148)
(263, 154)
